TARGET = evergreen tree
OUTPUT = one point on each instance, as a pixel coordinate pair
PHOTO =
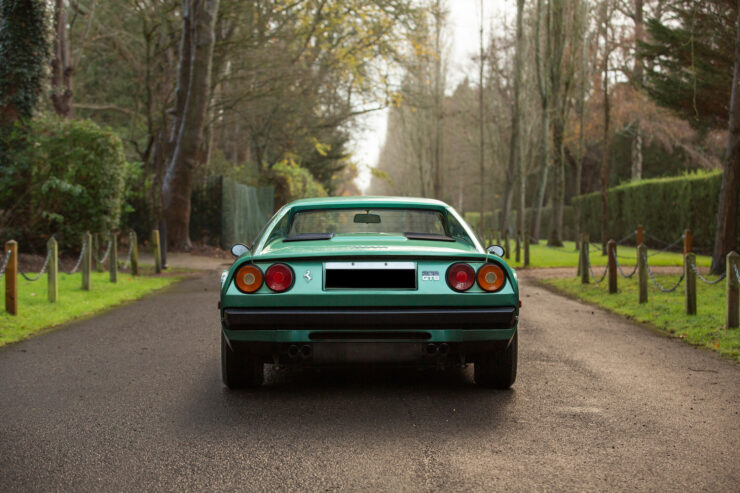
(689, 60)
(23, 53)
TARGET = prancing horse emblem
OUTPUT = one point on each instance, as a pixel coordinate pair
(307, 276)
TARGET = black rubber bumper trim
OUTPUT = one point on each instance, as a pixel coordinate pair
(376, 318)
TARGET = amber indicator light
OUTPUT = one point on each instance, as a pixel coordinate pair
(248, 278)
(491, 277)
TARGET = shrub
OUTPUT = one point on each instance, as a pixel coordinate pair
(665, 207)
(71, 177)
(293, 182)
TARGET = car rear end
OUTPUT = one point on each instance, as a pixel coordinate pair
(370, 300)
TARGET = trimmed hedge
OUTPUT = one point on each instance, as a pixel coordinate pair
(665, 207)
(493, 221)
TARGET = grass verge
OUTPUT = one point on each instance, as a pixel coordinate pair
(541, 255)
(665, 311)
(35, 313)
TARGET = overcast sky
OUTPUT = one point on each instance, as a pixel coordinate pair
(463, 45)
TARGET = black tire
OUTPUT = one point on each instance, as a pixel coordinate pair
(497, 370)
(237, 370)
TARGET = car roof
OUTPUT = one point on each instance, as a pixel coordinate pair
(365, 201)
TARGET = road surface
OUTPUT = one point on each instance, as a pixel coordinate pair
(132, 400)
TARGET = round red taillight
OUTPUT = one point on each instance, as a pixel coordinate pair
(460, 277)
(279, 277)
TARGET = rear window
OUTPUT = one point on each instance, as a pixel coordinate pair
(393, 221)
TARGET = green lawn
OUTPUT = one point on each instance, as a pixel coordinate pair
(541, 255)
(35, 313)
(666, 310)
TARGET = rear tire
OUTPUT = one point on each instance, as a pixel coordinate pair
(239, 371)
(497, 370)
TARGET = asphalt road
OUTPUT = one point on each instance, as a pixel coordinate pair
(132, 400)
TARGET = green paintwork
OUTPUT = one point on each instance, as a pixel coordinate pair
(309, 256)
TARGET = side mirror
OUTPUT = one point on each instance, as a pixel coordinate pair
(496, 250)
(238, 250)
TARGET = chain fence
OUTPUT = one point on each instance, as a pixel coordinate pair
(705, 280)
(41, 272)
(79, 260)
(655, 281)
(105, 255)
(591, 270)
(619, 266)
(5, 263)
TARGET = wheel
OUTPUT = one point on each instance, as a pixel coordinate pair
(238, 370)
(497, 370)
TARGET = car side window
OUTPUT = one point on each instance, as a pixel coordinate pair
(280, 230)
(457, 231)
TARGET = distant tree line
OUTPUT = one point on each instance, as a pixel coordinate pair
(573, 97)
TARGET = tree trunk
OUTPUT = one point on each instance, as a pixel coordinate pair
(514, 155)
(544, 118)
(61, 65)
(198, 28)
(637, 75)
(636, 154)
(725, 238)
(438, 95)
(556, 38)
(482, 220)
(605, 156)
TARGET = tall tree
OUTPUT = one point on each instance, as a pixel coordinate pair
(193, 90)
(542, 69)
(481, 126)
(604, 24)
(560, 75)
(725, 239)
(514, 165)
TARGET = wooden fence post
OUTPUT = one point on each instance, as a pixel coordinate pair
(733, 307)
(526, 250)
(96, 252)
(113, 258)
(584, 258)
(518, 248)
(642, 274)
(611, 248)
(687, 241)
(53, 271)
(157, 252)
(134, 246)
(689, 264)
(640, 234)
(11, 277)
(87, 261)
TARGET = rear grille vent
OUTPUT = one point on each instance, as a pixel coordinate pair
(369, 336)
(370, 275)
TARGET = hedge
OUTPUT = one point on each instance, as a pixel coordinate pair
(665, 207)
(493, 221)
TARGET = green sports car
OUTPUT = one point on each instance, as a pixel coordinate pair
(368, 280)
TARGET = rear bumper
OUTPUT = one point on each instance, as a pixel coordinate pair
(376, 319)
(372, 335)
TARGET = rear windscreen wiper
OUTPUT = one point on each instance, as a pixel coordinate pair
(428, 236)
(309, 237)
